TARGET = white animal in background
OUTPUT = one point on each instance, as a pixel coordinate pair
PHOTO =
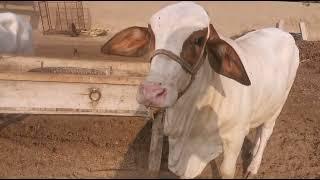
(15, 35)
(239, 85)
(15, 39)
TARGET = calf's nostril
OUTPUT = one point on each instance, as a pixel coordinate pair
(161, 93)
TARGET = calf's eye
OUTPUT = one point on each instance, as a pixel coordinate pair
(199, 41)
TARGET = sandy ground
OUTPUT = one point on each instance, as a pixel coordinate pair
(57, 146)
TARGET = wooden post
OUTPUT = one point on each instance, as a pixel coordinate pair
(155, 153)
(280, 24)
(303, 30)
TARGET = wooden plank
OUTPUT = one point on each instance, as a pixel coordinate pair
(10, 63)
(70, 78)
(280, 24)
(68, 98)
(156, 145)
(303, 30)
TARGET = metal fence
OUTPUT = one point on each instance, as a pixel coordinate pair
(57, 17)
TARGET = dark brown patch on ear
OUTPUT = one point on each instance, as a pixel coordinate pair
(192, 46)
(225, 61)
(132, 42)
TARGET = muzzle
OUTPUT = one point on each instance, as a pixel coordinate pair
(192, 70)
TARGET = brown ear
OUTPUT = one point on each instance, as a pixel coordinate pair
(132, 42)
(225, 60)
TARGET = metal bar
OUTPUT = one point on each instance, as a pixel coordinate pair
(80, 15)
(59, 16)
(82, 11)
(41, 17)
(48, 15)
(71, 14)
(65, 10)
(77, 15)
(34, 6)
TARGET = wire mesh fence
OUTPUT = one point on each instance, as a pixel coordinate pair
(62, 17)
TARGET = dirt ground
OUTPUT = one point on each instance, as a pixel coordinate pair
(61, 146)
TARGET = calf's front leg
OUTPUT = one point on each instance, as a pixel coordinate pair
(231, 150)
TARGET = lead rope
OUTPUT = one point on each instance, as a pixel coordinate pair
(152, 112)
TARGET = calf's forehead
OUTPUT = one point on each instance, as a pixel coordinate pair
(173, 24)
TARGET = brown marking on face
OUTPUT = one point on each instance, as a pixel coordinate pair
(192, 46)
(222, 57)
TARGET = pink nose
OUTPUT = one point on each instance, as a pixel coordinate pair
(152, 93)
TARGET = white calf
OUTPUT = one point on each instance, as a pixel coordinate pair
(214, 89)
(15, 35)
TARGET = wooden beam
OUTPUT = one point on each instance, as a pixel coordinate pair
(50, 93)
(70, 78)
(156, 145)
(29, 97)
(303, 30)
(9, 63)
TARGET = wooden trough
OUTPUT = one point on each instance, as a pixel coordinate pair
(36, 85)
